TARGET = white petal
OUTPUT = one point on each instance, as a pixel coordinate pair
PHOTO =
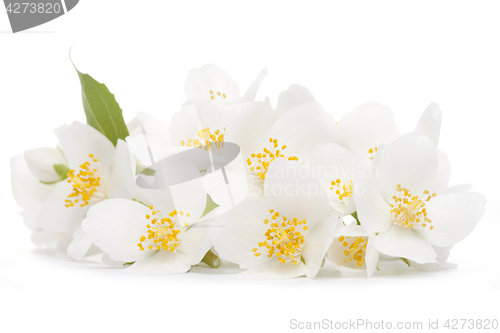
(457, 189)
(110, 262)
(331, 162)
(30, 217)
(247, 126)
(273, 269)
(295, 95)
(453, 217)
(371, 257)
(429, 267)
(122, 177)
(443, 172)
(41, 163)
(291, 190)
(430, 123)
(317, 243)
(411, 161)
(227, 195)
(63, 243)
(336, 250)
(196, 116)
(176, 185)
(374, 212)
(251, 92)
(405, 243)
(27, 189)
(45, 239)
(116, 226)
(235, 233)
(209, 78)
(54, 216)
(144, 124)
(441, 264)
(80, 245)
(303, 128)
(442, 253)
(78, 141)
(185, 124)
(371, 125)
(162, 262)
(149, 136)
(195, 242)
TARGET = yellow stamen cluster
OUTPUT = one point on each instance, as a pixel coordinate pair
(259, 163)
(212, 94)
(207, 140)
(372, 152)
(162, 232)
(85, 184)
(342, 190)
(355, 249)
(284, 238)
(409, 210)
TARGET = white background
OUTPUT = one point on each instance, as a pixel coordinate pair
(401, 54)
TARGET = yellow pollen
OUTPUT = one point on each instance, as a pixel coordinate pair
(342, 190)
(85, 184)
(372, 152)
(409, 210)
(260, 162)
(207, 140)
(164, 234)
(284, 239)
(356, 249)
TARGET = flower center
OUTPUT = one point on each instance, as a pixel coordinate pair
(162, 231)
(259, 163)
(284, 238)
(86, 184)
(216, 94)
(342, 190)
(207, 140)
(372, 152)
(355, 249)
(409, 210)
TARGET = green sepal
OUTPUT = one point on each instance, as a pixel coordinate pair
(49, 183)
(141, 168)
(355, 215)
(61, 170)
(211, 205)
(405, 261)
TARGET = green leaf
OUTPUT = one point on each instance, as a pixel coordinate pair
(61, 170)
(102, 111)
(405, 261)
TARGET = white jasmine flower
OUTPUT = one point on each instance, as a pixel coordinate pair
(155, 232)
(407, 206)
(97, 171)
(34, 176)
(370, 126)
(353, 250)
(337, 169)
(284, 234)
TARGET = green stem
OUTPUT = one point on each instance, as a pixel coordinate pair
(211, 260)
